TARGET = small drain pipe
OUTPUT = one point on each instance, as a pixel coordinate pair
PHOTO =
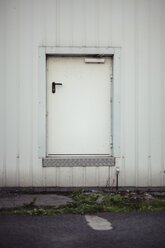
(117, 175)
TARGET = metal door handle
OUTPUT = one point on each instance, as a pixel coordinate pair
(54, 86)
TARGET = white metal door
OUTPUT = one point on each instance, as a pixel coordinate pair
(79, 112)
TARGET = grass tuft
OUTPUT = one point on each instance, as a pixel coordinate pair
(86, 203)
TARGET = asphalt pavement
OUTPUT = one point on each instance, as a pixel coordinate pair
(127, 230)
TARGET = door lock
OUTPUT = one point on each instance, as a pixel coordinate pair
(54, 86)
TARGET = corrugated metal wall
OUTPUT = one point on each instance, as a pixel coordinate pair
(138, 27)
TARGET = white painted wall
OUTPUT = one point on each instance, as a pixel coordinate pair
(138, 27)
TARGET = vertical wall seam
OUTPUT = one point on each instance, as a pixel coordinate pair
(55, 176)
(32, 93)
(5, 106)
(136, 90)
(123, 171)
(149, 100)
(44, 176)
(18, 100)
(72, 176)
(59, 176)
(109, 177)
(162, 20)
(84, 176)
(98, 177)
(123, 135)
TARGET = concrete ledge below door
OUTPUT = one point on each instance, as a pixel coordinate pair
(77, 161)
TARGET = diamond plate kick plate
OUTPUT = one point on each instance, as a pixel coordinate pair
(76, 161)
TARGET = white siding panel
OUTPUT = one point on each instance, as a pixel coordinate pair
(78, 176)
(103, 24)
(65, 177)
(50, 18)
(78, 23)
(142, 85)
(51, 176)
(116, 22)
(138, 27)
(39, 37)
(113, 175)
(11, 60)
(65, 22)
(2, 97)
(25, 90)
(155, 31)
(91, 23)
(163, 95)
(123, 172)
(92, 176)
(104, 176)
(128, 79)
(39, 23)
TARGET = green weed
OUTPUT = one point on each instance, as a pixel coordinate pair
(86, 203)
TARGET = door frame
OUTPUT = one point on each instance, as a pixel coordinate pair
(84, 51)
